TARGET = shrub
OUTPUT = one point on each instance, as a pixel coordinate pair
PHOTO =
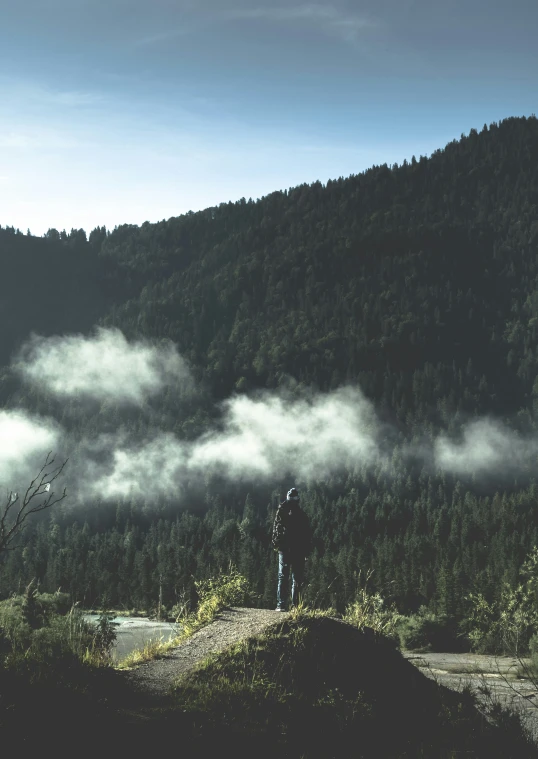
(369, 610)
(54, 603)
(36, 641)
(33, 607)
(104, 635)
(431, 632)
(14, 630)
(506, 624)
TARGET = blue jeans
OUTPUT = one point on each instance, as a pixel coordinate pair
(287, 563)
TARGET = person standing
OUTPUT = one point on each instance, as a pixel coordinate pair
(291, 538)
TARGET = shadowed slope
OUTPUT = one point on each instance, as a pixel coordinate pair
(314, 686)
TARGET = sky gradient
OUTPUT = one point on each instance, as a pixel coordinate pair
(122, 111)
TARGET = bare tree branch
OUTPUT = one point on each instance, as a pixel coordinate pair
(10, 527)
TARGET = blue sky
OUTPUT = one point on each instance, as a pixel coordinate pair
(122, 111)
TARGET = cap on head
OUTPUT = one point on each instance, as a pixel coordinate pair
(292, 495)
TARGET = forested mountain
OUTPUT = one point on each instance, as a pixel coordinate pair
(416, 283)
(50, 286)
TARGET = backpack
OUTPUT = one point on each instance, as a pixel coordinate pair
(291, 531)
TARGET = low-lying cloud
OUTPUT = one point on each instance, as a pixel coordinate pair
(486, 447)
(23, 438)
(313, 438)
(258, 439)
(148, 470)
(102, 367)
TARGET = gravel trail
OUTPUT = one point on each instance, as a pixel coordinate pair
(153, 680)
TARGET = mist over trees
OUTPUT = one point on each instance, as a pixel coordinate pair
(416, 283)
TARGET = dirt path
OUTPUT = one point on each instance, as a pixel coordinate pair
(151, 682)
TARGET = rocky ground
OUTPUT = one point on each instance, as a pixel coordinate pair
(490, 677)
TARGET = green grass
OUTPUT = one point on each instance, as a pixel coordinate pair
(154, 649)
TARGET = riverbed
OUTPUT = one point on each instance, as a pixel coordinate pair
(490, 678)
(135, 632)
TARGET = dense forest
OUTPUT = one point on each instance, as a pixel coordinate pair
(417, 284)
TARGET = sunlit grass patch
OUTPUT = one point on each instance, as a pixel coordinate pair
(302, 611)
(369, 610)
(153, 649)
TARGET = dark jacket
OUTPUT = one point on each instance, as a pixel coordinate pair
(291, 529)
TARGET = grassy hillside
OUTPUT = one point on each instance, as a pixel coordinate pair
(318, 687)
(311, 687)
